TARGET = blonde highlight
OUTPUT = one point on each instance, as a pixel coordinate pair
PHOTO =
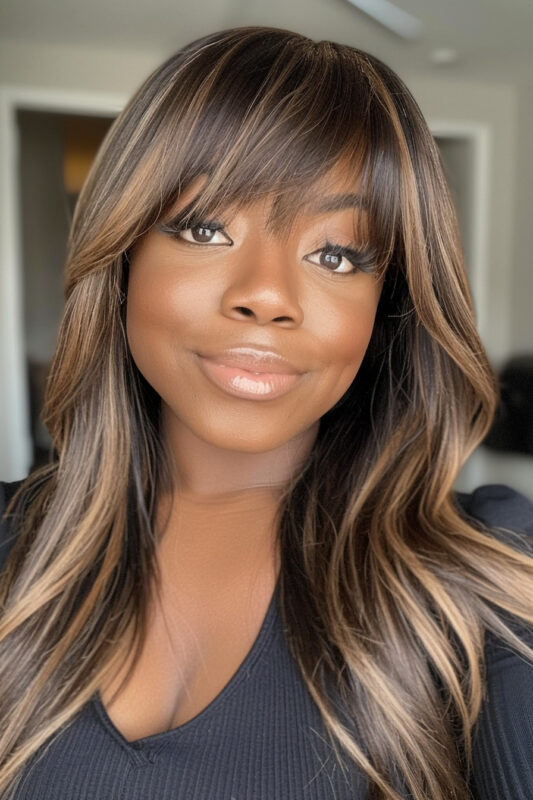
(386, 588)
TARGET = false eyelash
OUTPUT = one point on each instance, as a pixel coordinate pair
(183, 222)
(361, 258)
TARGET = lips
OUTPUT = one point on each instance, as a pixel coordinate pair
(253, 360)
(250, 373)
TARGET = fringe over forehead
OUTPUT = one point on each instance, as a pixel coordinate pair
(268, 112)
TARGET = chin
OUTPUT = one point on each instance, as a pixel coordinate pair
(242, 443)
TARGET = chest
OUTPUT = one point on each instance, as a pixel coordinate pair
(192, 649)
(217, 577)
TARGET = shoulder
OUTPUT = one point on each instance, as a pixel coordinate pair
(7, 490)
(499, 507)
(502, 767)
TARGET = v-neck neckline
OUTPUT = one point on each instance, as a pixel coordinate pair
(144, 748)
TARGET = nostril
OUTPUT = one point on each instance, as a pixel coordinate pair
(245, 311)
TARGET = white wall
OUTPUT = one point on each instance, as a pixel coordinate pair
(63, 66)
(522, 301)
(508, 328)
(496, 107)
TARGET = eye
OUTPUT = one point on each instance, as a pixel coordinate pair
(339, 259)
(197, 231)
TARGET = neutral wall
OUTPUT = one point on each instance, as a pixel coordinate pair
(496, 107)
(63, 66)
(522, 302)
(508, 112)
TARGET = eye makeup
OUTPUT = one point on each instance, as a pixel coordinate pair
(361, 258)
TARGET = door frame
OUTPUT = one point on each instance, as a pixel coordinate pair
(479, 136)
(474, 470)
(15, 434)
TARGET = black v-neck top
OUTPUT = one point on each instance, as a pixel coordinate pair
(262, 737)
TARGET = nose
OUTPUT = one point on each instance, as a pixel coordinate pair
(264, 287)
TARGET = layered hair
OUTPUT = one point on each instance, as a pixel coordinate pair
(386, 587)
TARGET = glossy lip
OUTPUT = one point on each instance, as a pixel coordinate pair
(231, 372)
(255, 359)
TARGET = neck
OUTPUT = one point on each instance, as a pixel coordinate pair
(206, 473)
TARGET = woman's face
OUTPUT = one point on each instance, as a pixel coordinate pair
(208, 309)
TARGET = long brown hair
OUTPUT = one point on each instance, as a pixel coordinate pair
(386, 588)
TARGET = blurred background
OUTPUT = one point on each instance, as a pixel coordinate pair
(67, 68)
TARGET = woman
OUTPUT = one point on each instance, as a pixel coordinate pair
(245, 572)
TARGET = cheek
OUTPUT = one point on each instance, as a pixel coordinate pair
(347, 340)
(158, 317)
(160, 309)
(346, 333)
(342, 339)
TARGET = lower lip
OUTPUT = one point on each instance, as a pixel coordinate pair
(242, 383)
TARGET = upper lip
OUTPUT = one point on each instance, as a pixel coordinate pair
(254, 358)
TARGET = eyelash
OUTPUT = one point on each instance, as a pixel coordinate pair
(360, 259)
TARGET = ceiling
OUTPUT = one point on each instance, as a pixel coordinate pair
(493, 39)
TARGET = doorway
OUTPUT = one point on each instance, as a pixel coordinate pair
(56, 152)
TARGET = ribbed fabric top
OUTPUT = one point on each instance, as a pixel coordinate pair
(262, 737)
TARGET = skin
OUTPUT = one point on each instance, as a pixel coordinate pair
(184, 297)
(231, 455)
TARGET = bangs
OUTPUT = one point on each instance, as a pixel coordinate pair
(268, 116)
